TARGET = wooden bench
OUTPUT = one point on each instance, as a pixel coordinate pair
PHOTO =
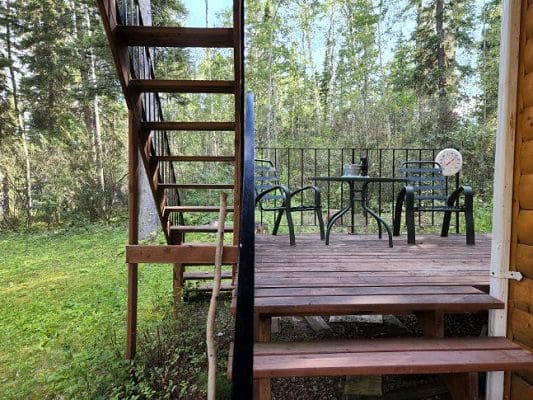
(458, 358)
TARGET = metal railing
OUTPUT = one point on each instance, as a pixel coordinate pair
(142, 66)
(297, 166)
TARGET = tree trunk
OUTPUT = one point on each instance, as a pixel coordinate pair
(441, 65)
(6, 210)
(20, 119)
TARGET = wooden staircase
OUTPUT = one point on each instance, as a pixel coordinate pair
(132, 43)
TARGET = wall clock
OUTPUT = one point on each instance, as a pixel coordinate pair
(450, 160)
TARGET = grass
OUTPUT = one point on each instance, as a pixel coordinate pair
(62, 307)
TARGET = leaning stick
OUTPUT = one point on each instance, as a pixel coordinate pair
(211, 316)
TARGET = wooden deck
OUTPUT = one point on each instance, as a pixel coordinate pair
(366, 261)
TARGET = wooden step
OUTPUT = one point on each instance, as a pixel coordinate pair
(158, 36)
(180, 86)
(389, 356)
(204, 275)
(225, 159)
(195, 209)
(199, 228)
(196, 186)
(225, 287)
(188, 126)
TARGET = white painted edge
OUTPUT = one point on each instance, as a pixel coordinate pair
(503, 178)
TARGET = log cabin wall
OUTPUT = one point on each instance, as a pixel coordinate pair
(519, 385)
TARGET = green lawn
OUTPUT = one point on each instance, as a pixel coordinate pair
(62, 311)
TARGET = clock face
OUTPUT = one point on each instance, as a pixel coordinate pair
(450, 160)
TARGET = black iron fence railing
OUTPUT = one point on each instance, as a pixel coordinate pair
(297, 166)
(142, 66)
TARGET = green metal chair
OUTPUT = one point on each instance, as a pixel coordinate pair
(271, 195)
(426, 191)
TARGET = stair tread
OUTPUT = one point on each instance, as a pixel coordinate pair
(182, 86)
(199, 186)
(195, 209)
(189, 126)
(388, 356)
(196, 158)
(158, 36)
(225, 287)
(200, 275)
(199, 228)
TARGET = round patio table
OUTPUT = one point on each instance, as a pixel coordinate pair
(365, 180)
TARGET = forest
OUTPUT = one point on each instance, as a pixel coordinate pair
(326, 74)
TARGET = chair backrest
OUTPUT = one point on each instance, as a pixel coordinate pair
(266, 177)
(427, 179)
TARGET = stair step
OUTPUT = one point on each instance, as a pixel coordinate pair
(225, 287)
(197, 158)
(191, 209)
(181, 86)
(199, 228)
(203, 275)
(389, 356)
(198, 186)
(155, 36)
(189, 126)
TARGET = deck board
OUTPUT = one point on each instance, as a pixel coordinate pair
(360, 273)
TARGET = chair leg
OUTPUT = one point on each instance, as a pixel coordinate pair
(291, 227)
(398, 213)
(469, 219)
(446, 223)
(410, 217)
(278, 221)
(320, 223)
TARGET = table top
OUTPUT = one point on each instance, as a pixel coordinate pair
(359, 178)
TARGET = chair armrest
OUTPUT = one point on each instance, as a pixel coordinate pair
(467, 191)
(316, 191)
(284, 190)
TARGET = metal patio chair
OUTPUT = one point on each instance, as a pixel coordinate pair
(271, 195)
(426, 191)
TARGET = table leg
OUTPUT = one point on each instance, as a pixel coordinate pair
(352, 200)
(335, 217)
(262, 387)
(378, 219)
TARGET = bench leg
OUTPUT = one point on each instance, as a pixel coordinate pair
(262, 387)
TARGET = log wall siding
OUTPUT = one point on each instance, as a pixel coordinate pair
(519, 385)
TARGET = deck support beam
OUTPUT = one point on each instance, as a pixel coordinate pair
(262, 387)
(461, 386)
(133, 234)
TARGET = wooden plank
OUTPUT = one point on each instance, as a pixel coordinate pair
(158, 36)
(385, 363)
(180, 86)
(199, 228)
(181, 254)
(375, 281)
(364, 291)
(224, 159)
(202, 275)
(346, 346)
(196, 186)
(189, 126)
(195, 209)
(340, 305)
